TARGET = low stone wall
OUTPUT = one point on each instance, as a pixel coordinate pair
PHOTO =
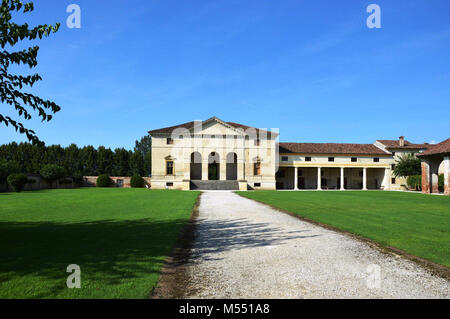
(40, 183)
(118, 181)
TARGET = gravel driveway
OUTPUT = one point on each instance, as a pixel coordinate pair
(244, 249)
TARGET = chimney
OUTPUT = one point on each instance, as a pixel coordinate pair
(401, 141)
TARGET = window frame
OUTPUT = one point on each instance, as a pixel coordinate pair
(308, 159)
(376, 159)
(354, 159)
(172, 167)
(257, 168)
(331, 159)
(169, 141)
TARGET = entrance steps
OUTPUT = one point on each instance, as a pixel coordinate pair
(214, 185)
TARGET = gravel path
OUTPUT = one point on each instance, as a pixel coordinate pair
(244, 249)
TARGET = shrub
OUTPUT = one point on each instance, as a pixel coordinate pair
(77, 177)
(104, 181)
(137, 181)
(414, 182)
(52, 172)
(17, 181)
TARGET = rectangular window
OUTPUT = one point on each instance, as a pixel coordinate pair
(393, 181)
(330, 159)
(169, 184)
(169, 168)
(376, 159)
(393, 166)
(257, 184)
(257, 142)
(307, 159)
(257, 168)
(393, 153)
(354, 159)
(169, 140)
(284, 158)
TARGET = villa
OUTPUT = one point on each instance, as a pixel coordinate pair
(214, 154)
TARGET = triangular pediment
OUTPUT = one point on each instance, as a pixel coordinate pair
(215, 126)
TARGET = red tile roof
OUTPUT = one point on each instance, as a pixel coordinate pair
(331, 148)
(190, 125)
(443, 148)
(407, 145)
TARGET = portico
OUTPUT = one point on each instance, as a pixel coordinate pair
(333, 178)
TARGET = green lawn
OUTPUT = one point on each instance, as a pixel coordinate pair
(416, 223)
(118, 237)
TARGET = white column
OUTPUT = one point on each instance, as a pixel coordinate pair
(447, 175)
(223, 170)
(364, 178)
(342, 179)
(295, 178)
(205, 170)
(319, 179)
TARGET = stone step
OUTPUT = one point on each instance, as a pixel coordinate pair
(214, 185)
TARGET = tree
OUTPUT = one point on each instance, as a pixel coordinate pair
(11, 85)
(144, 148)
(52, 172)
(17, 181)
(407, 165)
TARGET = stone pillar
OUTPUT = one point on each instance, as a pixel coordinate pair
(426, 177)
(387, 179)
(240, 169)
(205, 170)
(223, 170)
(364, 178)
(319, 178)
(342, 179)
(295, 178)
(447, 175)
(434, 172)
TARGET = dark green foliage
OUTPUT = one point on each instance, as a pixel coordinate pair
(52, 172)
(441, 182)
(30, 159)
(143, 148)
(17, 181)
(77, 177)
(407, 165)
(137, 181)
(414, 182)
(12, 84)
(104, 180)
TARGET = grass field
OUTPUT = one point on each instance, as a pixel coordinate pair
(118, 237)
(418, 224)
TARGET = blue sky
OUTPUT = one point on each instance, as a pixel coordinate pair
(310, 68)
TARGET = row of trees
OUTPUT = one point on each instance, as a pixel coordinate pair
(75, 161)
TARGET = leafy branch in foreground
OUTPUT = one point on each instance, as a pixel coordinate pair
(11, 85)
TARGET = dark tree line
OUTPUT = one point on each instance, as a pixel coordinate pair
(30, 159)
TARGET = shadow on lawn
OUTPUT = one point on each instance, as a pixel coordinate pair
(109, 251)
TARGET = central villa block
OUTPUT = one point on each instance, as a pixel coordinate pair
(214, 154)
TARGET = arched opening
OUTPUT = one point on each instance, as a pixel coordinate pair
(213, 166)
(196, 166)
(231, 166)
